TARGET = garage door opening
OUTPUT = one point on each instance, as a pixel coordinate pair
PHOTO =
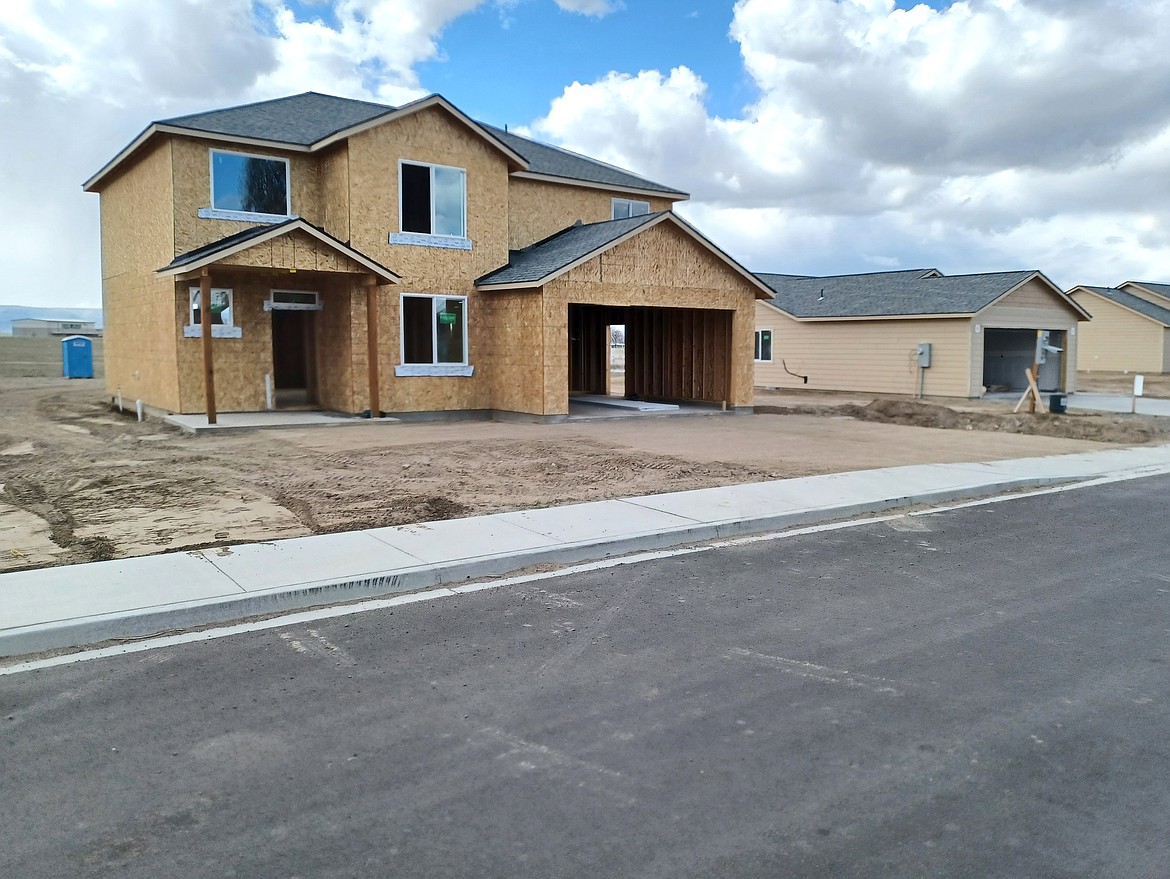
(672, 355)
(1007, 353)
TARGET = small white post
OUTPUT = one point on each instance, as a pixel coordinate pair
(268, 391)
(1139, 386)
(138, 406)
(119, 398)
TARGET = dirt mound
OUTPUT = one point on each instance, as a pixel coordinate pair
(1126, 429)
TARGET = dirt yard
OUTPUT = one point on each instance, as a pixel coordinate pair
(81, 482)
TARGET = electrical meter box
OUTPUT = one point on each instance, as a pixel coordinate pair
(924, 354)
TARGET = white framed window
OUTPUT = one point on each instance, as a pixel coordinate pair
(248, 187)
(763, 346)
(432, 206)
(433, 335)
(625, 207)
(292, 300)
(222, 316)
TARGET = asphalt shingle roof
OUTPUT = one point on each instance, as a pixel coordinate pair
(557, 162)
(883, 294)
(539, 260)
(308, 118)
(1162, 290)
(298, 119)
(1135, 303)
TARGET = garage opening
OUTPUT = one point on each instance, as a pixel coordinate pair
(674, 355)
(1007, 353)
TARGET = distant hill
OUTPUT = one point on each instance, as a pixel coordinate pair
(9, 313)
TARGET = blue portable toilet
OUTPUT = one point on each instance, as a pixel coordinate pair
(77, 354)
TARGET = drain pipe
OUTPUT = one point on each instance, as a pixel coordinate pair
(268, 391)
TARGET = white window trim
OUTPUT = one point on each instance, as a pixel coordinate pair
(431, 239)
(630, 202)
(759, 345)
(248, 216)
(270, 304)
(434, 369)
(193, 330)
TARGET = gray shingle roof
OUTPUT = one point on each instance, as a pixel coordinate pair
(307, 118)
(1135, 303)
(1162, 290)
(883, 294)
(298, 119)
(557, 162)
(539, 260)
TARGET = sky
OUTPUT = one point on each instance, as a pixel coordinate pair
(815, 136)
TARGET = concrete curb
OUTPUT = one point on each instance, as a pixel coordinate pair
(136, 624)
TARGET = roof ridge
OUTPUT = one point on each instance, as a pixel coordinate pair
(280, 100)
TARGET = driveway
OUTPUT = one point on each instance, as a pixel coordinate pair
(1118, 403)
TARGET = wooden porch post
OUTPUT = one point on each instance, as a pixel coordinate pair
(371, 285)
(205, 333)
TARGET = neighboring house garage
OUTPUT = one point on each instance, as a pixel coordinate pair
(1130, 330)
(869, 332)
(686, 306)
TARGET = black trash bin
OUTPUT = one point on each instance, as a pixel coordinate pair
(1058, 403)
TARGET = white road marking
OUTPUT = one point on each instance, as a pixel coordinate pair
(296, 618)
(533, 756)
(802, 669)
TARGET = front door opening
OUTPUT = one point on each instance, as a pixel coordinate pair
(294, 372)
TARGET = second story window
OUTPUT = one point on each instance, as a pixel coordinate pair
(432, 199)
(624, 207)
(247, 184)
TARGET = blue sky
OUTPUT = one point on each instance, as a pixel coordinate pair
(815, 136)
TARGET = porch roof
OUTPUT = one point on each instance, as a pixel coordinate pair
(217, 251)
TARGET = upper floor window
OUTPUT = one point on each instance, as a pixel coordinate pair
(624, 207)
(247, 184)
(432, 199)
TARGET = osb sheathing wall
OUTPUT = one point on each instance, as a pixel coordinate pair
(1034, 306)
(192, 191)
(241, 364)
(430, 136)
(537, 208)
(137, 237)
(661, 267)
(515, 325)
(875, 356)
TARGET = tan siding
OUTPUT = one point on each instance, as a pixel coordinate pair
(137, 237)
(877, 356)
(1148, 295)
(1117, 339)
(537, 208)
(1032, 306)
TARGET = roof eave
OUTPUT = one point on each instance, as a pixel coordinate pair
(1128, 308)
(674, 195)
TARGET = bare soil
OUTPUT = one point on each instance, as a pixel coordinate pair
(81, 482)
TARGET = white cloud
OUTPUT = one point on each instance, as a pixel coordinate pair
(991, 134)
(595, 8)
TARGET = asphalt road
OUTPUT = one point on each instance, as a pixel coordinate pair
(975, 693)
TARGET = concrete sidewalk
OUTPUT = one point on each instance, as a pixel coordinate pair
(83, 604)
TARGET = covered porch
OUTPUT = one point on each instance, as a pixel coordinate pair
(292, 323)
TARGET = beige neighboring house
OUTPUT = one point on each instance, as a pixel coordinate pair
(867, 332)
(364, 258)
(1130, 331)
